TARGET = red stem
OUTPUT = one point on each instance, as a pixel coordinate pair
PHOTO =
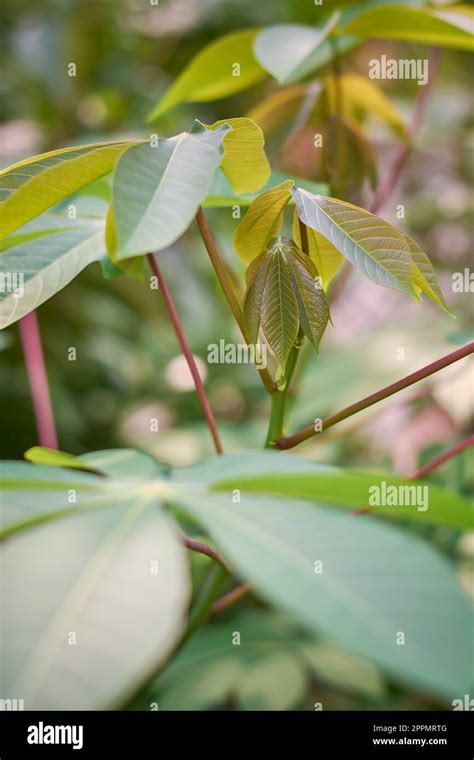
(200, 548)
(386, 188)
(442, 458)
(178, 328)
(230, 598)
(38, 380)
(293, 440)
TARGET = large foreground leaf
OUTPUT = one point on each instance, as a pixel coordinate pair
(42, 266)
(225, 66)
(426, 26)
(157, 189)
(376, 590)
(90, 605)
(370, 243)
(29, 187)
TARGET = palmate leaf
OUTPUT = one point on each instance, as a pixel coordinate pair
(86, 635)
(370, 243)
(284, 292)
(158, 188)
(43, 265)
(212, 73)
(363, 598)
(427, 26)
(262, 221)
(325, 255)
(29, 187)
(244, 164)
(359, 582)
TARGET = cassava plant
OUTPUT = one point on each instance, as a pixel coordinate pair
(97, 546)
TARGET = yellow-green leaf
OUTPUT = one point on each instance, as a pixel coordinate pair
(422, 25)
(324, 254)
(280, 105)
(279, 310)
(424, 276)
(134, 267)
(312, 303)
(225, 66)
(245, 163)
(52, 458)
(29, 187)
(358, 92)
(370, 243)
(262, 221)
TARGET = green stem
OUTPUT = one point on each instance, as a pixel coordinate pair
(202, 607)
(277, 412)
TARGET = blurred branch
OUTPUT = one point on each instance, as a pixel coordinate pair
(387, 187)
(228, 599)
(442, 458)
(178, 328)
(36, 370)
(226, 286)
(308, 432)
(208, 551)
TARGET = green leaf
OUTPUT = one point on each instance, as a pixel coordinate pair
(325, 255)
(262, 221)
(256, 276)
(29, 187)
(312, 303)
(225, 66)
(424, 276)
(370, 243)
(91, 577)
(279, 306)
(291, 51)
(244, 164)
(357, 489)
(157, 189)
(35, 270)
(376, 582)
(421, 25)
(52, 458)
(274, 682)
(342, 671)
(133, 268)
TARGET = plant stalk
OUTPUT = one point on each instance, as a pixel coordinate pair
(442, 458)
(223, 277)
(38, 379)
(178, 328)
(288, 442)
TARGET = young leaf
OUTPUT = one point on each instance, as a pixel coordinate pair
(370, 243)
(213, 72)
(157, 189)
(92, 577)
(279, 306)
(291, 51)
(256, 276)
(422, 25)
(39, 268)
(244, 164)
(359, 582)
(324, 254)
(313, 305)
(29, 187)
(424, 276)
(262, 221)
(279, 106)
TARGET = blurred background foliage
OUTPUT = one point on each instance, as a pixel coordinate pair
(128, 369)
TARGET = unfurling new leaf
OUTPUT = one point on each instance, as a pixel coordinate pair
(284, 294)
